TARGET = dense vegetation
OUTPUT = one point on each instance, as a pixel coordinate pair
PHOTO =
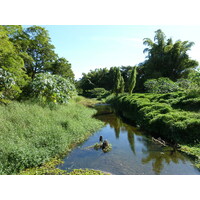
(164, 59)
(25, 53)
(168, 82)
(38, 122)
(32, 134)
(161, 114)
(173, 116)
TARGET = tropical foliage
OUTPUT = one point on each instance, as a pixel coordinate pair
(52, 88)
(167, 59)
(160, 85)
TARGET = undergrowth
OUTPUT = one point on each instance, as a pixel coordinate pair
(31, 135)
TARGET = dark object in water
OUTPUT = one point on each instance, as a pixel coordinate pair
(105, 144)
(101, 139)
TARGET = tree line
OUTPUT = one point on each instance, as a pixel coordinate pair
(164, 58)
(29, 66)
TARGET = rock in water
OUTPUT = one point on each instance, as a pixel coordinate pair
(101, 139)
(105, 144)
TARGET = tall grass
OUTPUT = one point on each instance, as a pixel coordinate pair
(31, 134)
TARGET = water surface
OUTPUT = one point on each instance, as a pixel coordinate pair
(132, 153)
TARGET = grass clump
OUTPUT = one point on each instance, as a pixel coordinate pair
(88, 102)
(105, 148)
(32, 135)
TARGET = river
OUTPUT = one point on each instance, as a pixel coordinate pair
(132, 152)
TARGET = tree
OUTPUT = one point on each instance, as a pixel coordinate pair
(12, 74)
(119, 82)
(41, 50)
(165, 59)
(132, 80)
(61, 67)
(20, 40)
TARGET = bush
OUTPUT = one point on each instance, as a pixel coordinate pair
(161, 85)
(52, 88)
(160, 119)
(8, 86)
(98, 93)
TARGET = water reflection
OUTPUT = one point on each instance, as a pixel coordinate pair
(154, 154)
(159, 157)
(132, 152)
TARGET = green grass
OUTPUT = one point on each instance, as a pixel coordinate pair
(88, 102)
(31, 135)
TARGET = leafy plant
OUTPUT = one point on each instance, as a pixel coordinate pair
(52, 88)
(8, 86)
(98, 93)
(161, 85)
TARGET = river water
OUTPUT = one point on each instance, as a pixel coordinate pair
(132, 152)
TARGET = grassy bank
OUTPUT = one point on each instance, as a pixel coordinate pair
(32, 135)
(163, 116)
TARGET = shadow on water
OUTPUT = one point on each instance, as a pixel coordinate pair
(132, 151)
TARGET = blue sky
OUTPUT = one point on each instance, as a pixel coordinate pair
(92, 46)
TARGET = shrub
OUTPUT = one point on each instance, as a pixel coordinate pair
(161, 85)
(158, 118)
(8, 86)
(98, 93)
(52, 88)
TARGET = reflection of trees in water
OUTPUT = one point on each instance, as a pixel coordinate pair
(114, 122)
(159, 155)
(117, 124)
(131, 140)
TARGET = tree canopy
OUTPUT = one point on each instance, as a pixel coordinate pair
(167, 59)
(25, 53)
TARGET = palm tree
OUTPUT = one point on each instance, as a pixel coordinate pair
(165, 59)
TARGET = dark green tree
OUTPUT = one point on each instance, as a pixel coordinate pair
(132, 80)
(41, 50)
(62, 67)
(119, 82)
(167, 59)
